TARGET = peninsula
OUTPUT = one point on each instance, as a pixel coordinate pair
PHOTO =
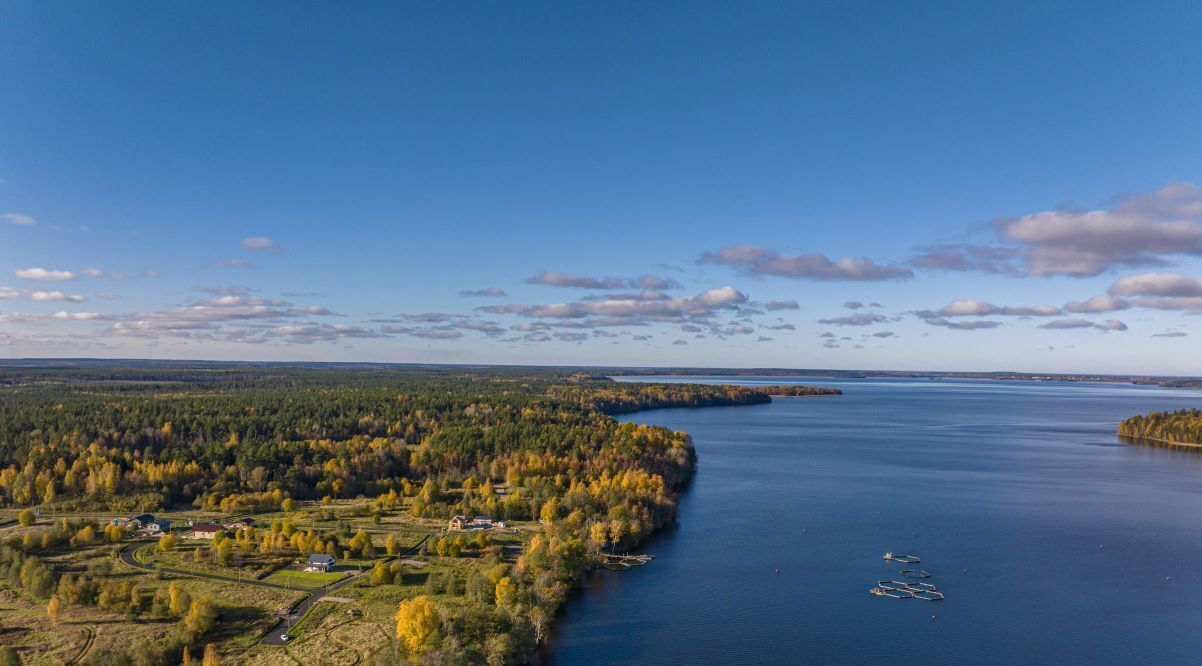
(1179, 428)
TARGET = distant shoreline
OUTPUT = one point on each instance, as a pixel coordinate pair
(1169, 381)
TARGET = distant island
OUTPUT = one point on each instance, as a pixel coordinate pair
(792, 391)
(1181, 428)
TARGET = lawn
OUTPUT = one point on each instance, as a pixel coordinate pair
(304, 579)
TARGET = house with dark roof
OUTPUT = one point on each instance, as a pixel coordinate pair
(320, 562)
(137, 522)
(206, 530)
(240, 524)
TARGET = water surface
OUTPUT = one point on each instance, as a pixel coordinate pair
(1053, 541)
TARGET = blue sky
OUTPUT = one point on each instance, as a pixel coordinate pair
(971, 169)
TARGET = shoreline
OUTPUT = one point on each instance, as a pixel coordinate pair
(1167, 443)
(545, 653)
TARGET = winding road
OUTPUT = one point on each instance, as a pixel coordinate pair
(276, 635)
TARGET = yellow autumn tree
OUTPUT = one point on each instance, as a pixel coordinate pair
(52, 609)
(180, 600)
(417, 622)
(507, 592)
(211, 657)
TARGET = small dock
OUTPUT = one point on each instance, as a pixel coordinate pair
(624, 562)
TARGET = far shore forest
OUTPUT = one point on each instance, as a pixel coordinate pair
(367, 465)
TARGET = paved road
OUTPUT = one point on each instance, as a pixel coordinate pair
(276, 635)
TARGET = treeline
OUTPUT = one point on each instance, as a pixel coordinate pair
(623, 398)
(795, 391)
(1179, 427)
(242, 444)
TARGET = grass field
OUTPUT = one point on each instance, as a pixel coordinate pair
(304, 579)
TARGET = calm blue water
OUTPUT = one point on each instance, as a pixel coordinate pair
(1053, 541)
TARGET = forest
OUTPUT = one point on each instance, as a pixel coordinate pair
(1180, 427)
(431, 443)
(797, 391)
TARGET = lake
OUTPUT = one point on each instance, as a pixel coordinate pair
(1053, 541)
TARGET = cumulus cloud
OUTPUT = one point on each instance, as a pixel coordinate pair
(57, 296)
(1160, 291)
(19, 219)
(1157, 284)
(1170, 334)
(975, 308)
(853, 305)
(1140, 230)
(10, 292)
(44, 274)
(1097, 304)
(1069, 324)
(883, 334)
(966, 257)
(857, 319)
(680, 342)
(781, 327)
(491, 292)
(753, 260)
(76, 316)
(235, 263)
(788, 304)
(260, 244)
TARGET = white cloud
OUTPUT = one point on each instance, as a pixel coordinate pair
(76, 316)
(57, 296)
(44, 274)
(260, 244)
(1157, 284)
(975, 308)
(1137, 231)
(19, 219)
(1096, 304)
